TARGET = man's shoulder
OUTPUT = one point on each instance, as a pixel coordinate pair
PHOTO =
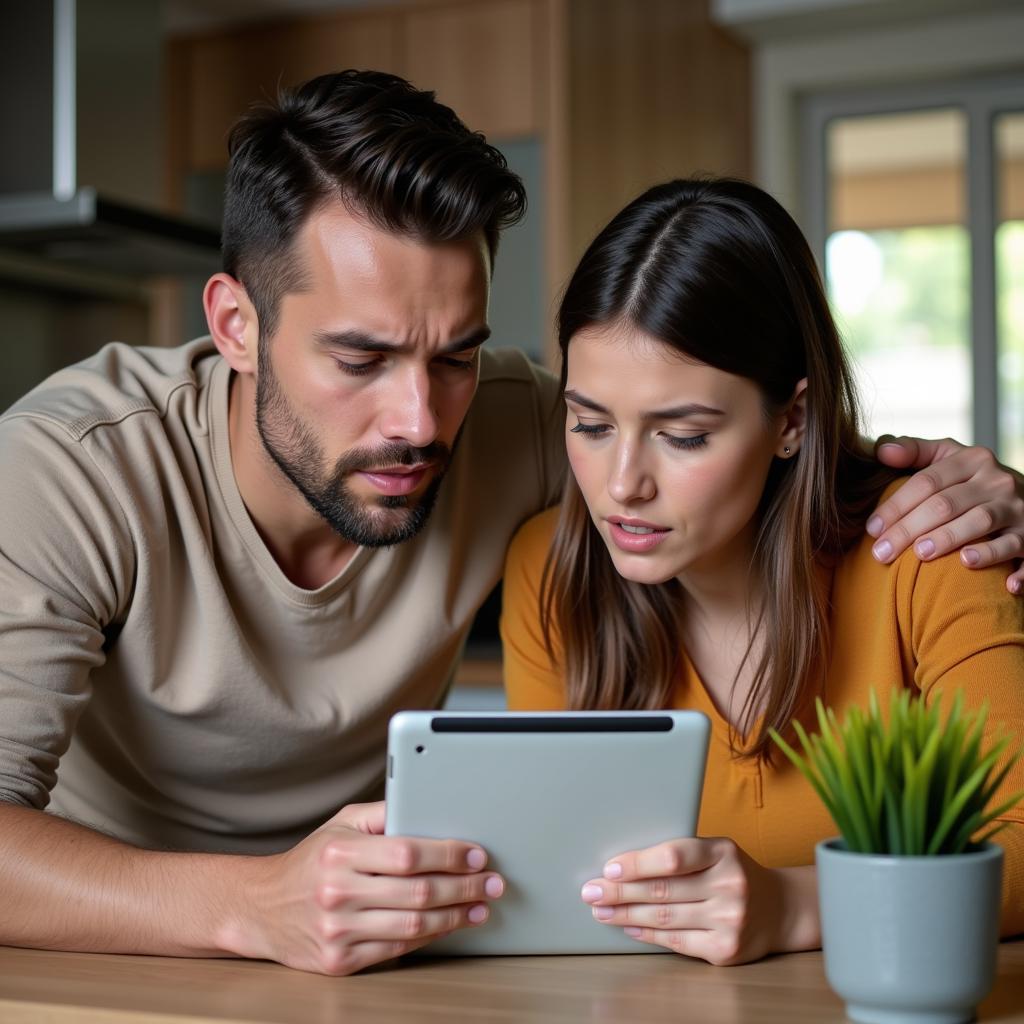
(118, 382)
(511, 367)
(514, 394)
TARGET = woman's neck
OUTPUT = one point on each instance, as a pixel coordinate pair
(721, 588)
(722, 599)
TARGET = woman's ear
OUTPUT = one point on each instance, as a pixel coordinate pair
(233, 323)
(794, 422)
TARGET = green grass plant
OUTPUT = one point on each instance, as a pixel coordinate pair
(912, 784)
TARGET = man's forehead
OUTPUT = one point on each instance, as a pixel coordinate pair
(384, 285)
(340, 243)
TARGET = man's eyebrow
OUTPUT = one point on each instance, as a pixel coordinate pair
(676, 412)
(359, 341)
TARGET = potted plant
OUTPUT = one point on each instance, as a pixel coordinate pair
(910, 893)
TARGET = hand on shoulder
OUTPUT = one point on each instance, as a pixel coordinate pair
(961, 497)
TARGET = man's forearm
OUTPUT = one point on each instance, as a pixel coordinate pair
(67, 887)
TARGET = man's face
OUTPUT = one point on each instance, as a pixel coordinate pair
(363, 388)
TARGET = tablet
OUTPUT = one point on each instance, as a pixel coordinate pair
(551, 797)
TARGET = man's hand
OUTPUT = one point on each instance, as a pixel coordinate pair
(963, 496)
(707, 898)
(347, 896)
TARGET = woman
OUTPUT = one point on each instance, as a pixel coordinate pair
(710, 553)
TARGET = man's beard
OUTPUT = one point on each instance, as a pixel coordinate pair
(375, 522)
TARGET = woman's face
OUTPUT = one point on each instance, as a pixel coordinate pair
(671, 455)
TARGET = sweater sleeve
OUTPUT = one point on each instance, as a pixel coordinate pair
(533, 681)
(964, 631)
(65, 569)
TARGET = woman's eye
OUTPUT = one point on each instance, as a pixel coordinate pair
(687, 443)
(589, 429)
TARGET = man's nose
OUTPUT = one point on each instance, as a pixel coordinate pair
(630, 479)
(409, 415)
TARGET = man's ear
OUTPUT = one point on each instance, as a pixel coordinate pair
(233, 323)
(794, 422)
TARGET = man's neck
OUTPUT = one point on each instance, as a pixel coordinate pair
(305, 547)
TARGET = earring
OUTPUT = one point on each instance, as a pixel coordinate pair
(787, 449)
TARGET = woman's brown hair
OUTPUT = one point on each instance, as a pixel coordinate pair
(717, 270)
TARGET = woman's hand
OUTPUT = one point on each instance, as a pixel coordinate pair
(706, 898)
(963, 496)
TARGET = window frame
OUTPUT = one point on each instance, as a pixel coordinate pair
(981, 100)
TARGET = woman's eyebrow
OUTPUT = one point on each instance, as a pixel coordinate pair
(677, 412)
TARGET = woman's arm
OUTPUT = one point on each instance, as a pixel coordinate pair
(963, 632)
(708, 898)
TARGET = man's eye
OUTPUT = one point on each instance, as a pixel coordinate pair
(356, 369)
(459, 364)
(589, 429)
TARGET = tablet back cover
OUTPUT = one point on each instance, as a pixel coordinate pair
(551, 797)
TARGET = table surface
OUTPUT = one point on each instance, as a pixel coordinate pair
(88, 988)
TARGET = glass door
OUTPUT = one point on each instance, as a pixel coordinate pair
(897, 261)
(914, 201)
(1009, 140)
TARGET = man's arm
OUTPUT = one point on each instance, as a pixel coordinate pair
(342, 899)
(961, 498)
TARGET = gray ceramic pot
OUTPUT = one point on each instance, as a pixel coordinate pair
(910, 940)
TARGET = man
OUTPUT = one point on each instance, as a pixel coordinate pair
(225, 566)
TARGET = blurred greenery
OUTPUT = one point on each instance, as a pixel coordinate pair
(1010, 311)
(923, 292)
(910, 287)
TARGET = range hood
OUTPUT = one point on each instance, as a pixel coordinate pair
(80, 97)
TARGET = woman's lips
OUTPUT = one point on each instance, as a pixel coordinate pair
(396, 481)
(636, 543)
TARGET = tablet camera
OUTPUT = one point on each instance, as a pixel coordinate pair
(420, 749)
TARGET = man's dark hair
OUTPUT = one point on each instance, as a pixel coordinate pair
(391, 152)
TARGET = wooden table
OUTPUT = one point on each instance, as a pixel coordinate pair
(60, 988)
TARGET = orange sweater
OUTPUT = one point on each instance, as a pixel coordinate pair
(918, 624)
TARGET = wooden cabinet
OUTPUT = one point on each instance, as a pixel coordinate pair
(221, 75)
(480, 60)
(620, 94)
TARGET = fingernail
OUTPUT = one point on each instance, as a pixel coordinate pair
(882, 551)
(592, 893)
(1015, 586)
(971, 557)
(604, 913)
(874, 526)
(633, 933)
(477, 914)
(613, 870)
(891, 444)
(476, 859)
(924, 549)
(494, 887)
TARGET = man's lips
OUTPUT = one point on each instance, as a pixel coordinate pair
(635, 535)
(397, 479)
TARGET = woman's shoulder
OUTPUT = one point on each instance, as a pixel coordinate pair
(528, 553)
(533, 539)
(911, 580)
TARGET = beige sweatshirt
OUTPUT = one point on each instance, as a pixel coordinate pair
(160, 678)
